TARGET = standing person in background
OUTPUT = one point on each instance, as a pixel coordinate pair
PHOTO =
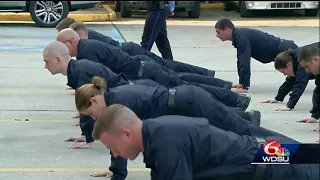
(155, 27)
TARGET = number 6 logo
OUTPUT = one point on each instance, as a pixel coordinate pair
(271, 147)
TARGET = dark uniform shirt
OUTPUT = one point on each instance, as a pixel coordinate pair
(297, 83)
(92, 34)
(81, 72)
(315, 112)
(187, 148)
(256, 44)
(145, 101)
(111, 56)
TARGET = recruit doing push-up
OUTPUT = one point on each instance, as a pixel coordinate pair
(80, 72)
(132, 48)
(190, 148)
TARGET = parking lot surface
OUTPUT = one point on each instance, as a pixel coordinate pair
(35, 150)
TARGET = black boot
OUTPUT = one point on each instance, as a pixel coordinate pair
(243, 101)
(211, 73)
(254, 116)
(228, 85)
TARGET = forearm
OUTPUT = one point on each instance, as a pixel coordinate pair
(86, 125)
(315, 112)
(285, 88)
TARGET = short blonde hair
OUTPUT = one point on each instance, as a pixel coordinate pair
(112, 119)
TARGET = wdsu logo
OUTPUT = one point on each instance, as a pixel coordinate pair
(271, 152)
(275, 153)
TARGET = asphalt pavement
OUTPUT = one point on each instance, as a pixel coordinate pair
(34, 149)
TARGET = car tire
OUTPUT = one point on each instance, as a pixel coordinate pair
(244, 12)
(227, 6)
(311, 12)
(34, 5)
(196, 12)
(125, 12)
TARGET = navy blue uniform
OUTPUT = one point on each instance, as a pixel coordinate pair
(155, 28)
(134, 49)
(297, 83)
(150, 102)
(256, 44)
(315, 112)
(92, 34)
(209, 152)
(80, 73)
(134, 67)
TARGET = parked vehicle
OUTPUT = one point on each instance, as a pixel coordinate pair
(125, 7)
(246, 8)
(46, 13)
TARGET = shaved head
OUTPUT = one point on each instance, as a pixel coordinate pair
(56, 57)
(66, 34)
(55, 49)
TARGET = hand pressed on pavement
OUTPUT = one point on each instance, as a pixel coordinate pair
(237, 86)
(80, 146)
(76, 139)
(240, 90)
(282, 109)
(316, 129)
(308, 120)
(270, 101)
(107, 174)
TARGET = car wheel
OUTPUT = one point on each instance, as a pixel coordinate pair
(244, 12)
(48, 13)
(195, 13)
(227, 6)
(311, 12)
(124, 12)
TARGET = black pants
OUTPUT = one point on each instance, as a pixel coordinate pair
(211, 81)
(168, 78)
(155, 30)
(135, 49)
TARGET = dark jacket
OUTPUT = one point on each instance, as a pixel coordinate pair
(81, 72)
(110, 56)
(315, 112)
(186, 148)
(297, 84)
(92, 34)
(256, 44)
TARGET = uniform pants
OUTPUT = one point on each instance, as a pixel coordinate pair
(135, 49)
(168, 78)
(211, 81)
(155, 30)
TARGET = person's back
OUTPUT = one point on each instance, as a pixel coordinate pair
(196, 149)
(145, 101)
(92, 34)
(263, 46)
(82, 71)
(111, 56)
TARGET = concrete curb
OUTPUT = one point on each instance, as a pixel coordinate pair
(110, 15)
(211, 6)
(202, 6)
